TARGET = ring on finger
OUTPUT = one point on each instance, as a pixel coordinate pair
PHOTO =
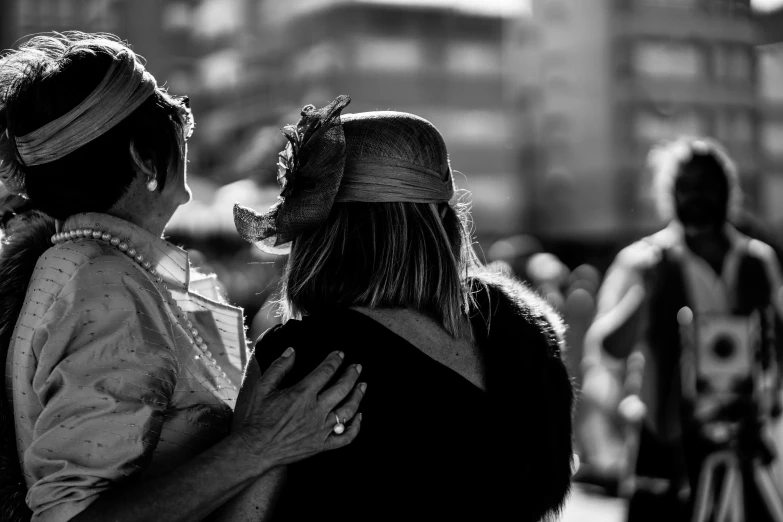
(339, 428)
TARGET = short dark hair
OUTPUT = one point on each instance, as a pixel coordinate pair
(48, 76)
(668, 160)
(705, 163)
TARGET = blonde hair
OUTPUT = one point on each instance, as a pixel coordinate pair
(384, 255)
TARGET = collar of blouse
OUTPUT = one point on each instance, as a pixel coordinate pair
(170, 262)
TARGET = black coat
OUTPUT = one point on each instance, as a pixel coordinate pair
(433, 445)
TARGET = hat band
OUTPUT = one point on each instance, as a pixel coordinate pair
(389, 180)
(123, 89)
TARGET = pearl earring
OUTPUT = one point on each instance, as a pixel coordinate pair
(152, 184)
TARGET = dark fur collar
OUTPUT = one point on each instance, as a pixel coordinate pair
(28, 238)
(522, 340)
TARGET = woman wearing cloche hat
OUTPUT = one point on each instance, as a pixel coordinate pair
(468, 402)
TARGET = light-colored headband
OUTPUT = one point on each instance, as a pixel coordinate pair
(389, 180)
(124, 88)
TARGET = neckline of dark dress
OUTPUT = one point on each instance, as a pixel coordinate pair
(455, 375)
(420, 429)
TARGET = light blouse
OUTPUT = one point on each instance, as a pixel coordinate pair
(105, 381)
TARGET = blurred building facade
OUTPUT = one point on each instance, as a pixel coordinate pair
(139, 21)
(34, 16)
(444, 61)
(548, 106)
(7, 23)
(194, 47)
(770, 88)
(617, 76)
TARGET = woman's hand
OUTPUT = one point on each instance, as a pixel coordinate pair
(271, 427)
(282, 426)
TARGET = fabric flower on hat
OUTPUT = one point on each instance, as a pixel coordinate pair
(310, 169)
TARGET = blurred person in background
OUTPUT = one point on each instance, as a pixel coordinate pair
(662, 300)
(548, 275)
(578, 312)
(381, 263)
(120, 381)
(515, 252)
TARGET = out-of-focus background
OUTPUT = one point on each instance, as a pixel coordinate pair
(549, 108)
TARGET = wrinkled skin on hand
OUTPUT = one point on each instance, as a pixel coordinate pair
(282, 426)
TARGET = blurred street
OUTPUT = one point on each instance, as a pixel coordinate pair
(586, 506)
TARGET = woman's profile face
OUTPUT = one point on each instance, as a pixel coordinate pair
(178, 182)
(158, 206)
(176, 192)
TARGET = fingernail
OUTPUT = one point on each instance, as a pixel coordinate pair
(360, 417)
(358, 368)
(363, 387)
(341, 355)
(288, 352)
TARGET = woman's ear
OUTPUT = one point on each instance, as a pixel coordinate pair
(145, 166)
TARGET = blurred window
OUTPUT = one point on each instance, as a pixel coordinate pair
(29, 12)
(730, 7)
(658, 59)
(732, 63)
(318, 60)
(215, 18)
(99, 15)
(557, 133)
(742, 127)
(651, 127)
(47, 12)
(734, 127)
(555, 11)
(66, 12)
(557, 83)
(771, 73)
(389, 54)
(687, 4)
(772, 138)
(180, 81)
(471, 126)
(221, 70)
(473, 58)
(176, 15)
(556, 130)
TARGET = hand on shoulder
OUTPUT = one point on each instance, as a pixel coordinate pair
(284, 425)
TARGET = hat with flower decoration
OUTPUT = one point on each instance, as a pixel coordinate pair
(380, 157)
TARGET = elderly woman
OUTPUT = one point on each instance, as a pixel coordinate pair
(123, 367)
(381, 264)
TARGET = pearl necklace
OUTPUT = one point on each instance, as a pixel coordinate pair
(125, 247)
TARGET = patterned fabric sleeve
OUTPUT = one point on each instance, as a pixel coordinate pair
(105, 376)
